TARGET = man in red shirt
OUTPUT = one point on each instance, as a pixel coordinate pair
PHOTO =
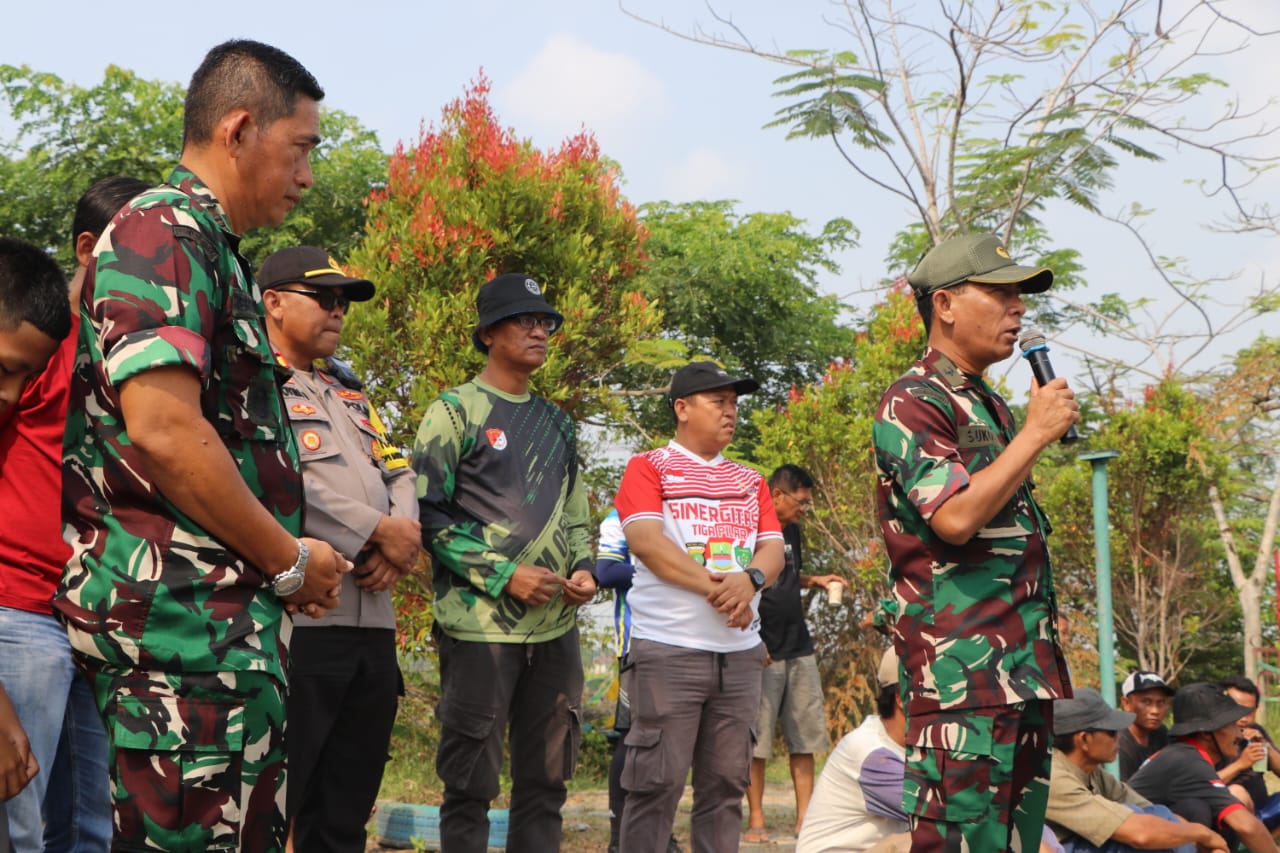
(69, 803)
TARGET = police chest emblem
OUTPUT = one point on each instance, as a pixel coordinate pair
(350, 395)
(310, 439)
(497, 438)
(302, 409)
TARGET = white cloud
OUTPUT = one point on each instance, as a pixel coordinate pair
(569, 84)
(705, 174)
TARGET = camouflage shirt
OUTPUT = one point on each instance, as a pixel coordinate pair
(146, 587)
(975, 624)
(498, 486)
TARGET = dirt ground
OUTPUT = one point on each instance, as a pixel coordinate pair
(586, 822)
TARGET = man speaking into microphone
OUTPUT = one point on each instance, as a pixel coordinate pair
(973, 616)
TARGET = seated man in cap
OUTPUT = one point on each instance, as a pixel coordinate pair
(705, 540)
(1182, 775)
(1146, 696)
(1090, 809)
(858, 799)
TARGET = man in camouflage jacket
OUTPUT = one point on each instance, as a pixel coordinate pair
(505, 517)
(182, 499)
(974, 615)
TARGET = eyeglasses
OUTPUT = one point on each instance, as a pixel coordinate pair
(328, 298)
(807, 503)
(529, 322)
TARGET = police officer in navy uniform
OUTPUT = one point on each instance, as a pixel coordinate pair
(344, 681)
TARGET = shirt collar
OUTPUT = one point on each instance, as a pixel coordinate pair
(190, 183)
(935, 361)
(675, 445)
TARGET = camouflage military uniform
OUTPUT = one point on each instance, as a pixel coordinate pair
(184, 641)
(497, 487)
(975, 624)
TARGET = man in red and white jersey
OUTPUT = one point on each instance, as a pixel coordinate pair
(705, 540)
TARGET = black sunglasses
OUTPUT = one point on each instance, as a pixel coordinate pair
(328, 299)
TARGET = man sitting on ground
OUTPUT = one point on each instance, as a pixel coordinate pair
(857, 801)
(1146, 696)
(1182, 775)
(1091, 810)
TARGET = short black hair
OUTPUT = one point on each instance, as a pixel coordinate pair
(1242, 683)
(885, 699)
(32, 289)
(790, 477)
(924, 304)
(244, 74)
(101, 202)
(1066, 744)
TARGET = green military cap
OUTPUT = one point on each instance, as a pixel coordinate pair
(979, 258)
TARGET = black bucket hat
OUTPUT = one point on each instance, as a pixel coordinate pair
(509, 295)
(1203, 707)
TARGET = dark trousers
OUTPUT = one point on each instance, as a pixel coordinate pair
(689, 709)
(533, 690)
(343, 689)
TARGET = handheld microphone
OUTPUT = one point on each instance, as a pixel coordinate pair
(1036, 351)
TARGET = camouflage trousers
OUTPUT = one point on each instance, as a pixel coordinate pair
(197, 760)
(977, 779)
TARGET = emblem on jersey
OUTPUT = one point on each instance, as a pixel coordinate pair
(302, 409)
(720, 555)
(350, 395)
(497, 438)
(698, 551)
(310, 439)
(532, 286)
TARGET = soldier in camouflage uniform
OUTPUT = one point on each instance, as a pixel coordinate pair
(974, 616)
(182, 498)
(505, 517)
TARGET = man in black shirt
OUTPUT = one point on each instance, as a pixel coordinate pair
(791, 691)
(1182, 776)
(1146, 696)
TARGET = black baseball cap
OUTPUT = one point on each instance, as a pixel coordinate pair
(509, 295)
(314, 268)
(706, 376)
(1144, 680)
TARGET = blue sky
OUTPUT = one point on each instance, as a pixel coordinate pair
(683, 120)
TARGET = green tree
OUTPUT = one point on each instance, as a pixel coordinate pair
(467, 202)
(742, 289)
(1172, 603)
(470, 201)
(826, 429)
(68, 136)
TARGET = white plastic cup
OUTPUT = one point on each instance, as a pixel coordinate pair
(835, 592)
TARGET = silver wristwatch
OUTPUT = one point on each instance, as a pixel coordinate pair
(291, 579)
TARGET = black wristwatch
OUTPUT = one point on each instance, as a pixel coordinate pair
(757, 577)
